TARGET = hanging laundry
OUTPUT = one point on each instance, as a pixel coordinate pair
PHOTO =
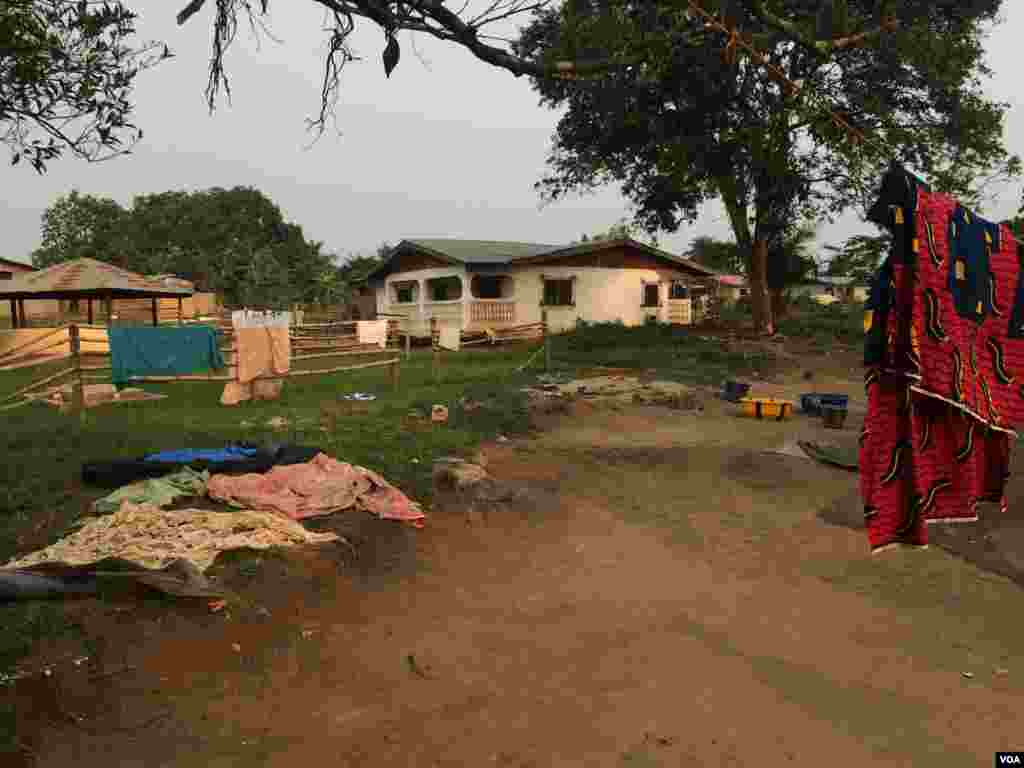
(262, 348)
(450, 337)
(167, 351)
(943, 367)
(372, 332)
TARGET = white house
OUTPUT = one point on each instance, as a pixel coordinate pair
(477, 284)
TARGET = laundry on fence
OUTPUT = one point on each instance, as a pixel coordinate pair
(158, 491)
(372, 332)
(944, 354)
(162, 351)
(262, 348)
(450, 337)
(234, 460)
(318, 487)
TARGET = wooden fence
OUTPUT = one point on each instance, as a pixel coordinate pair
(87, 350)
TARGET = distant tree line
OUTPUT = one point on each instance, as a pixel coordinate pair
(232, 241)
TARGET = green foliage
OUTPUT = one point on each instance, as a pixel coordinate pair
(234, 241)
(623, 230)
(683, 125)
(66, 72)
(825, 325)
(673, 350)
(859, 257)
(722, 256)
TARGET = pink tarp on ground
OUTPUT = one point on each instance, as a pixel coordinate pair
(318, 487)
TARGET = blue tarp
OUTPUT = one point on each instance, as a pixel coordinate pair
(188, 455)
(170, 351)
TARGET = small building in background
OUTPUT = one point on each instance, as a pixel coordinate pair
(731, 288)
(828, 290)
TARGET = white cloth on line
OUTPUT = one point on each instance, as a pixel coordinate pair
(372, 332)
(249, 318)
(450, 337)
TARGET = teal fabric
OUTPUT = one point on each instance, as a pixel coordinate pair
(169, 351)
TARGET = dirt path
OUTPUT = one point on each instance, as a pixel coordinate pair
(661, 594)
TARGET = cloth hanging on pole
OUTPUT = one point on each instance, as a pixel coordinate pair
(262, 348)
(944, 362)
(450, 337)
(162, 351)
(372, 332)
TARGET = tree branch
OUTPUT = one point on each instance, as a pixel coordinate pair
(820, 47)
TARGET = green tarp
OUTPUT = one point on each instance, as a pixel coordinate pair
(160, 491)
(169, 351)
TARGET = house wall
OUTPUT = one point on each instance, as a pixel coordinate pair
(601, 295)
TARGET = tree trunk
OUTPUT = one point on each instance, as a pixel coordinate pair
(779, 305)
(759, 300)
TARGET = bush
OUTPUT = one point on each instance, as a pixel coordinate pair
(836, 322)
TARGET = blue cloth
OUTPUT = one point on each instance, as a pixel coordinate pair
(169, 351)
(187, 455)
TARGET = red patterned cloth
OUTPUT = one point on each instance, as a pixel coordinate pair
(945, 394)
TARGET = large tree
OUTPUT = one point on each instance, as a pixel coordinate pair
(235, 241)
(720, 255)
(80, 225)
(68, 58)
(67, 70)
(684, 124)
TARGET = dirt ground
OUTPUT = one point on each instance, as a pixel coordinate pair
(654, 590)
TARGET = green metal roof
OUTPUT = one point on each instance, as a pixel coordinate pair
(498, 252)
(482, 251)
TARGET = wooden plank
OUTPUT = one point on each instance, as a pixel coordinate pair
(27, 344)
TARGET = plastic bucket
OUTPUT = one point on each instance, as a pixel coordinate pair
(767, 408)
(833, 416)
(734, 390)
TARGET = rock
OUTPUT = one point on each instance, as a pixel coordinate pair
(480, 458)
(502, 439)
(439, 414)
(458, 476)
(278, 422)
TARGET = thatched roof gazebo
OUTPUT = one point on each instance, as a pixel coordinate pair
(90, 280)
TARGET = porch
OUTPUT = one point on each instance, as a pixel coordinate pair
(471, 302)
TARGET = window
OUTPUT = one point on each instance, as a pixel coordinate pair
(558, 293)
(678, 291)
(492, 286)
(445, 289)
(650, 295)
(6, 275)
(404, 293)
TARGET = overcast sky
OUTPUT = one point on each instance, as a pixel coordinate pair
(446, 148)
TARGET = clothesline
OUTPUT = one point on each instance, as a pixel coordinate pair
(736, 41)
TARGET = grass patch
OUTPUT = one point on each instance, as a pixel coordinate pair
(40, 492)
(825, 325)
(676, 352)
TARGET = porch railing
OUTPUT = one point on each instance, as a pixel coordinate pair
(492, 312)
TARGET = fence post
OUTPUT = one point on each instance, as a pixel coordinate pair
(78, 387)
(408, 344)
(547, 340)
(436, 350)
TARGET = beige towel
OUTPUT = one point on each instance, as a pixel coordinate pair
(372, 332)
(450, 337)
(258, 352)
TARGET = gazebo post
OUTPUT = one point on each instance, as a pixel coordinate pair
(181, 312)
(14, 313)
(156, 312)
(90, 311)
(21, 311)
(109, 304)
